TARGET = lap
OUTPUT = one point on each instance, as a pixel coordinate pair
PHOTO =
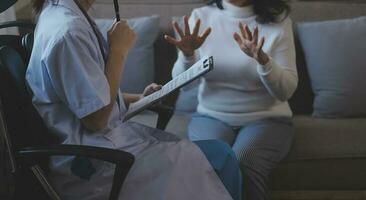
(260, 145)
(206, 128)
(263, 144)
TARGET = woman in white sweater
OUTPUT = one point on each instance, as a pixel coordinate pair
(243, 101)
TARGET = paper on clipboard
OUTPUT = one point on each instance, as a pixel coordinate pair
(203, 66)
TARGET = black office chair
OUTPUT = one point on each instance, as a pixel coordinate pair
(27, 139)
(28, 142)
(22, 43)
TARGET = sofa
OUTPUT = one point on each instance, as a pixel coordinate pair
(328, 156)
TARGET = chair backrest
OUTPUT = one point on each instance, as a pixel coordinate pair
(23, 43)
(25, 126)
(5, 4)
(21, 126)
(27, 43)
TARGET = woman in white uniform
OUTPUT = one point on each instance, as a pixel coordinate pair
(74, 76)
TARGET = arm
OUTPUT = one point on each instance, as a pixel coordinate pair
(279, 73)
(131, 98)
(121, 39)
(99, 119)
(183, 63)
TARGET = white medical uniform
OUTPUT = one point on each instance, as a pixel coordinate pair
(66, 76)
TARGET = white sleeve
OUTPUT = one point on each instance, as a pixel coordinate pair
(279, 75)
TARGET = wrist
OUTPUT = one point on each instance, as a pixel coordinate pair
(188, 54)
(117, 54)
(140, 96)
(117, 51)
(263, 59)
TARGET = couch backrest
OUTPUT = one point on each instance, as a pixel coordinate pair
(305, 10)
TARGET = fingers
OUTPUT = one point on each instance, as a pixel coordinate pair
(112, 26)
(238, 39)
(116, 24)
(261, 43)
(152, 88)
(196, 28)
(157, 87)
(206, 34)
(178, 29)
(242, 30)
(248, 32)
(255, 35)
(187, 30)
(245, 31)
(171, 40)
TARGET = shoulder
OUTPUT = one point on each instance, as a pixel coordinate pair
(69, 34)
(279, 28)
(205, 11)
(61, 27)
(74, 30)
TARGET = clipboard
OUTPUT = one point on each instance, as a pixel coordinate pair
(199, 69)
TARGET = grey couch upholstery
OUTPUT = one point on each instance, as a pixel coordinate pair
(327, 155)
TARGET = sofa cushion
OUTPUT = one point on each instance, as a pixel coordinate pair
(325, 174)
(328, 138)
(334, 52)
(315, 138)
(327, 154)
(139, 65)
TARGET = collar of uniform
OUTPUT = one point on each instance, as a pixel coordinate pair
(239, 12)
(69, 4)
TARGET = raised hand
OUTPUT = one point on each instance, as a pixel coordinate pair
(121, 38)
(249, 44)
(188, 42)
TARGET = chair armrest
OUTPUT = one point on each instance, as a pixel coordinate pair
(123, 160)
(164, 114)
(20, 24)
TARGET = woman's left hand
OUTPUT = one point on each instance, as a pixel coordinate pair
(151, 89)
(250, 45)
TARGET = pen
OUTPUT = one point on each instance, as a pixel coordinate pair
(116, 9)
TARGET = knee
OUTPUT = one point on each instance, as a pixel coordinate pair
(253, 163)
(248, 158)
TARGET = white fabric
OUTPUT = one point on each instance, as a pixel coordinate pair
(66, 75)
(239, 90)
(8, 15)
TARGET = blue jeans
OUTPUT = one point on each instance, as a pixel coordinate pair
(259, 147)
(223, 160)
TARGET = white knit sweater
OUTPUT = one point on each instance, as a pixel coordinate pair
(240, 90)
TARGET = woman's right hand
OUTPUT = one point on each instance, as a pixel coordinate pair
(121, 38)
(188, 42)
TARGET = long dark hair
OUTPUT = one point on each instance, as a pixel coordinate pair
(267, 11)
